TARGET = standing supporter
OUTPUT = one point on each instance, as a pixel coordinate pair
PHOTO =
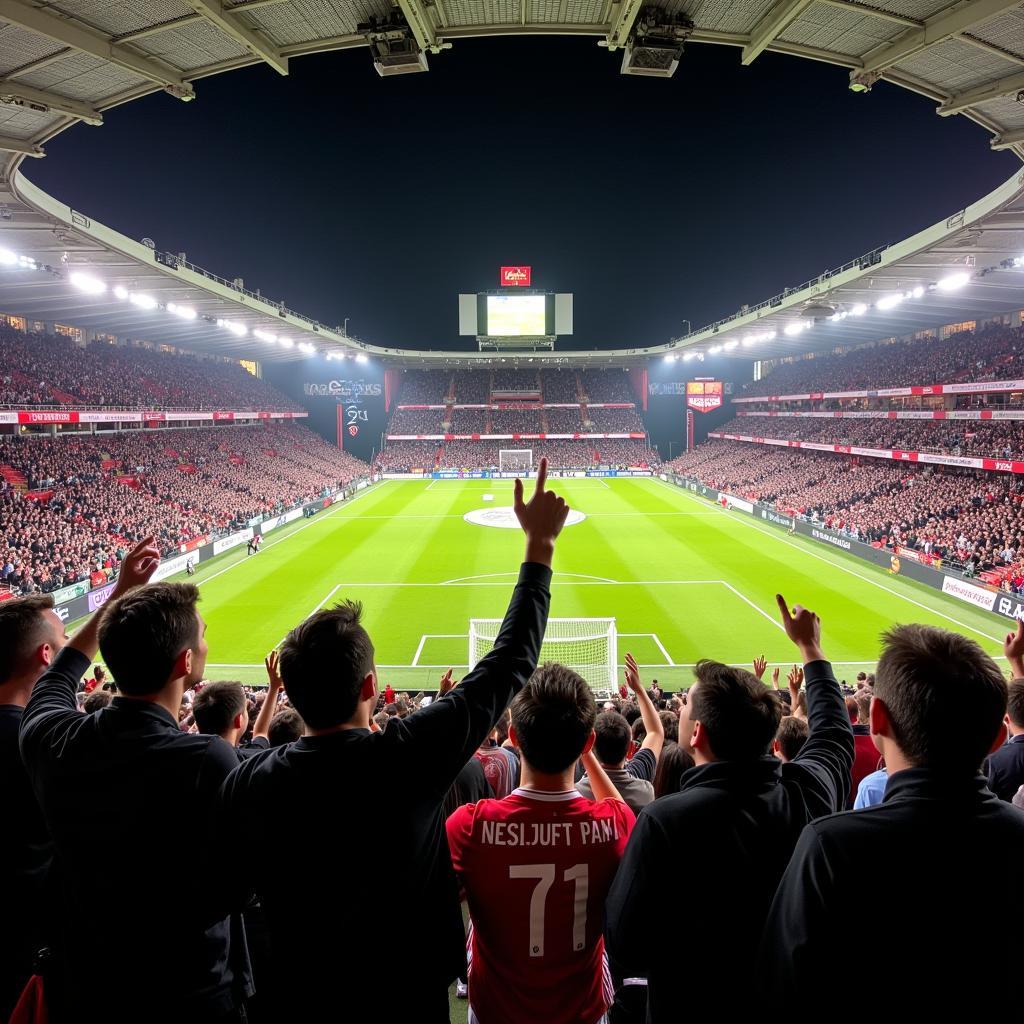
(31, 636)
(1006, 765)
(733, 825)
(871, 790)
(367, 805)
(672, 765)
(633, 779)
(790, 738)
(865, 753)
(149, 815)
(536, 949)
(285, 727)
(945, 852)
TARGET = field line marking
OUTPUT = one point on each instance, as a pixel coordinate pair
(760, 611)
(555, 583)
(419, 650)
(320, 605)
(283, 540)
(843, 568)
(661, 647)
(494, 575)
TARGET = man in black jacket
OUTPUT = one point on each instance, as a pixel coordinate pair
(941, 853)
(126, 790)
(1005, 768)
(352, 819)
(727, 835)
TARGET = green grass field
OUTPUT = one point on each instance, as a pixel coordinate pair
(683, 579)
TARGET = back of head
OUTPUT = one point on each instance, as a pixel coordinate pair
(672, 763)
(851, 709)
(96, 701)
(863, 699)
(324, 661)
(285, 727)
(612, 736)
(791, 736)
(739, 714)
(143, 633)
(553, 716)
(217, 705)
(670, 723)
(944, 695)
(23, 630)
(1015, 704)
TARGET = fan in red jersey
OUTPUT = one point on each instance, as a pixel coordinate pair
(536, 867)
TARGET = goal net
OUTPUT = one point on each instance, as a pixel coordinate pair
(587, 646)
(515, 460)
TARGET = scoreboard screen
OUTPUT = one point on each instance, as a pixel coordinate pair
(511, 316)
(704, 395)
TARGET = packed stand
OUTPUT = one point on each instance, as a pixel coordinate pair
(472, 387)
(40, 369)
(515, 421)
(560, 385)
(514, 380)
(606, 385)
(424, 387)
(98, 495)
(614, 421)
(742, 782)
(564, 421)
(407, 456)
(469, 421)
(416, 421)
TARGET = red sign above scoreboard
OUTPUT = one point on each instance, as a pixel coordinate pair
(515, 277)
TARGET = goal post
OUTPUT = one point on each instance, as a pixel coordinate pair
(587, 646)
(515, 460)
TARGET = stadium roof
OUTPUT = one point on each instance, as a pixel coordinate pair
(68, 61)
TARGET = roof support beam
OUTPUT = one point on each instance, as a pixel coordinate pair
(89, 41)
(37, 99)
(874, 12)
(990, 91)
(1004, 140)
(38, 65)
(224, 19)
(20, 146)
(623, 15)
(996, 51)
(937, 29)
(773, 24)
(416, 15)
(252, 5)
(154, 30)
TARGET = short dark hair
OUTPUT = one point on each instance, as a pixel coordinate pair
(945, 696)
(612, 737)
(672, 763)
(216, 705)
(670, 723)
(96, 701)
(323, 663)
(285, 727)
(791, 736)
(738, 712)
(553, 716)
(1015, 703)
(629, 711)
(851, 709)
(21, 631)
(863, 699)
(143, 633)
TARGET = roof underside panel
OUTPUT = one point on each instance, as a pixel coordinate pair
(121, 17)
(465, 13)
(305, 20)
(727, 15)
(83, 77)
(191, 46)
(19, 47)
(1005, 111)
(955, 66)
(837, 30)
(21, 123)
(1005, 31)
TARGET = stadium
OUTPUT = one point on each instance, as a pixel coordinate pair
(350, 509)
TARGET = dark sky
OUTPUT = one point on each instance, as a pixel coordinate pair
(653, 201)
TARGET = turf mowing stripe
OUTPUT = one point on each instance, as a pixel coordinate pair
(837, 565)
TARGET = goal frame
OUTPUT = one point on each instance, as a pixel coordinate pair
(502, 452)
(603, 676)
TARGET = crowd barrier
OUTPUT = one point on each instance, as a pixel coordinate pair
(904, 562)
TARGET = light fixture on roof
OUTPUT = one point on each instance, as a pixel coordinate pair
(239, 330)
(305, 346)
(8, 258)
(953, 282)
(361, 358)
(858, 309)
(670, 358)
(730, 345)
(915, 293)
(794, 329)
(142, 300)
(687, 356)
(265, 336)
(889, 301)
(286, 342)
(121, 292)
(714, 350)
(185, 312)
(87, 283)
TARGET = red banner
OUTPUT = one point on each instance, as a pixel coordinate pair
(515, 277)
(223, 416)
(49, 416)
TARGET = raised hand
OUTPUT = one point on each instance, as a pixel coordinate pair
(803, 627)
(775, 678)
(633, 674)
(796, 678)
(138, 566)
(447, 684)
(272, 664)
(1013, 648)
(760, 664)
(542, 517)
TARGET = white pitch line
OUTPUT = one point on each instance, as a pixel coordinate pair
(842, 568)
(661, 647)
(295, 533)
(760, 611)
(554, 583)
(494, 575)
(320, 605)
(419, 650)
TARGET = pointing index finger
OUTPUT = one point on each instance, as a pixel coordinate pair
(542, 475)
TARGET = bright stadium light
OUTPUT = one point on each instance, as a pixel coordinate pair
(304, 346)
(858, 309)
(953, 282)
(714, 350)
(361, 358)
(142, 300)
(237, 329)
(730, 345)
(286, 342)
(121, 292)
(87, 283)
(751, 339)
(185, 312)
(27, 262)
(794, 329)
(916, 293)
(670, 358)
(7, 258)
(687, 356)
(265, 336)
(889, 301)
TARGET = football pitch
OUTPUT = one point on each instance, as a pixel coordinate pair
(683, 579)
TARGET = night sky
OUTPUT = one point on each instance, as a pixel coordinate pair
(653, 201)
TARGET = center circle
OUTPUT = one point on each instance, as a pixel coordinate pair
(505, 518)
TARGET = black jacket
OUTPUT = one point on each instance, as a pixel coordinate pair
(129, 800)
(923, 886)
(344, 840)
(723, 842)
(1006, 769)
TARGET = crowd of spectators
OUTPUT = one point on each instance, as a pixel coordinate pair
(606, 385)
(469, 421)
(998, 439)
(424, 387)
(992, 353)
(416, 421)
(96, 495)
(515, 421)
(772, 800)
(42, 369)
(472, 387)
(613, 421)
(561, 454)
(514, 380)
(560, 385)
(564, 421)
(406, 456)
